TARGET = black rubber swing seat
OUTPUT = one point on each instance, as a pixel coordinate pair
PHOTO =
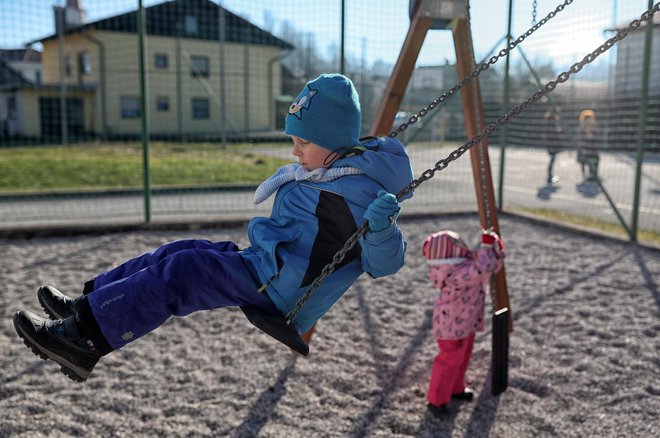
(276, 327)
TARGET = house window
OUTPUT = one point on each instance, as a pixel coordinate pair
(68, 66)
(130, 107)
(160, 60)
(200, 108)
(199, 66)
(84, 65)
(162, 103)
(190, 25)
(11, 107)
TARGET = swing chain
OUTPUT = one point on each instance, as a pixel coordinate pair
(490, 128)
(534, 4)
(477, 71)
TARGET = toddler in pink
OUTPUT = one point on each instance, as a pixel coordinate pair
(462, 275)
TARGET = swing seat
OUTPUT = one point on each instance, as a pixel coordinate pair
(276, 327)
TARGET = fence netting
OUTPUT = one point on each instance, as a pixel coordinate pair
(218, 78)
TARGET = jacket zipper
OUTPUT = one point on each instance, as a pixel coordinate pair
(264, 286)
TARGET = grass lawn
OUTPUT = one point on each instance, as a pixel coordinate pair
(649, 236)
(99, 165)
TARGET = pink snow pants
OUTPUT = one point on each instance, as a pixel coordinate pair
(449, 367)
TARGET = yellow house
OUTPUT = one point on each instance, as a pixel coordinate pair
(194, 74)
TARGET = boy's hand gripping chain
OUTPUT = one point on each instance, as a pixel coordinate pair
(490, 128)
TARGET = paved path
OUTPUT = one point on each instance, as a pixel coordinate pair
(450, 190)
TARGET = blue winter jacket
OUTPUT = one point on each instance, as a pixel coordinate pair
(311, 221)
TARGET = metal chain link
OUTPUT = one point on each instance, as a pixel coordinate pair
(490, 128)
(477, 71)
(534, 4)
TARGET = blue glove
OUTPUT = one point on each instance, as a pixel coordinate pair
(382, 212)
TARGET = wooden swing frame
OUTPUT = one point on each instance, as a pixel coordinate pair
(427, 13)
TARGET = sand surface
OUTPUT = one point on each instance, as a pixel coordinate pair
(584, 357)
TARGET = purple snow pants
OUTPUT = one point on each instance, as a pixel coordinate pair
(176, 279)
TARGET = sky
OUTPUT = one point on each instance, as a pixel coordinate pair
(374, 32)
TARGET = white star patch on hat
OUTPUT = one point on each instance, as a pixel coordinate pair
(303, 103)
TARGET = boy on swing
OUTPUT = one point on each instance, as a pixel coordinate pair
(337, 183)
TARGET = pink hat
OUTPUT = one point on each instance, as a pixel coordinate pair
(444, 245)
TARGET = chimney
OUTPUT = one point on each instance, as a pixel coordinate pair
(70, 16)
(74, 15)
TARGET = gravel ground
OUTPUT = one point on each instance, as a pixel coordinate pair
(584, 356)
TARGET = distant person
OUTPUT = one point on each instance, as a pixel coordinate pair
(587, 153)
(462, 275)
(338, 182)
(553, 139)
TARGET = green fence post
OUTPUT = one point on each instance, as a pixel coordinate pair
(641, 130)
(342, 66)
(505, 108)
(59, 15)
(223, 94)
(144, 114)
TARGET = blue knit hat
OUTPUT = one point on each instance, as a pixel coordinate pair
(327, 113)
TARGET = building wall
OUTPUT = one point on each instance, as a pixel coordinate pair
(73, 46)
(630, 58)
(247, 82)
(246, 78)
(429, 77)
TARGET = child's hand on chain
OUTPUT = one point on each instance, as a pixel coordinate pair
(382, 212)
(490, 239)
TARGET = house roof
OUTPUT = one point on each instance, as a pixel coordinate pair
(655, 20)
(10, 78)
(167, 19)
(26, 55)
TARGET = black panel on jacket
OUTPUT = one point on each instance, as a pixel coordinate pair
(336, 225)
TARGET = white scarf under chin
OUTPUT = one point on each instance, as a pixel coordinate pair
(295, 171)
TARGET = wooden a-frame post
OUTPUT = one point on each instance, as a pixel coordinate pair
(424, 18)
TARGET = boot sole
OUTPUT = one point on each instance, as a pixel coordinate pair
(69, 369)
(49, 310)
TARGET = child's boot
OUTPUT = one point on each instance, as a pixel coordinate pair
(466, 395)
(55, 303)
(59, 340)
(440, 411)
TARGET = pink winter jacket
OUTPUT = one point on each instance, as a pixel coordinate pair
(459, 310)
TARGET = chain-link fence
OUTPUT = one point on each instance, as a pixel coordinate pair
(112, 116)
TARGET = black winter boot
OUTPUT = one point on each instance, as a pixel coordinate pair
(55, 303)
(440, 411)
(58, 340)
(466, 395)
